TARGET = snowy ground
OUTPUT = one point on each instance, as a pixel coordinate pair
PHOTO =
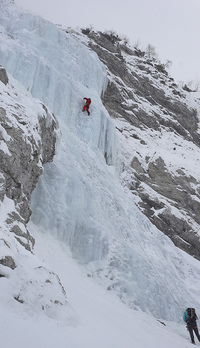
(96, 318)
(80, 201)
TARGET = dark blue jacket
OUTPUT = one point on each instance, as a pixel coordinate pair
(191, 321)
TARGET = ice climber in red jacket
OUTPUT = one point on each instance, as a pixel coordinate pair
(87, 104)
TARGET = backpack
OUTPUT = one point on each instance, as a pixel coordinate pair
(190, 315)
(191, 312)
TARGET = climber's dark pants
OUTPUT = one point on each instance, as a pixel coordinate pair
(195, 329)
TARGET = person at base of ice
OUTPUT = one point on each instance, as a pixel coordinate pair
(190, 318)
(87, 104)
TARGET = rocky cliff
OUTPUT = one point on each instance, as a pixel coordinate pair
(159, 122)
(27, 141)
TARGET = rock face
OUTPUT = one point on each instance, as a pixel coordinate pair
(27, 141)
(160, 123)
(22, 166)
(3, 75)
(23, 153)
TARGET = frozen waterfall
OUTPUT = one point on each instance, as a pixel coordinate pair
(79, 198)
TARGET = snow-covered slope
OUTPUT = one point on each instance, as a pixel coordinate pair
(79, 200)
(158, 125)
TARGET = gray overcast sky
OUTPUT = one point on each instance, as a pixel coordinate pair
(172, 26)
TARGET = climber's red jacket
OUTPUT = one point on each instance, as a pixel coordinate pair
(88, 101)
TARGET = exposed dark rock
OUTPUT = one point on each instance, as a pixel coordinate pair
(24, 235)
(21, 170)
(8, 261)
(21, 164)
(3, 75)
(187, 89)
(142, 81)
(18, 299)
